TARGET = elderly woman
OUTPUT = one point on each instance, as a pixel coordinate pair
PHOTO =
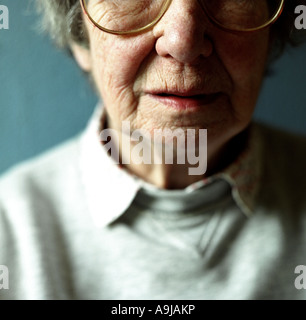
(100, 217)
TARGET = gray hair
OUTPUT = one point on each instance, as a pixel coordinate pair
(62, 19)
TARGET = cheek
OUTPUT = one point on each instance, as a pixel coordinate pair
(115, 63)
(116, 60)
(245, 60)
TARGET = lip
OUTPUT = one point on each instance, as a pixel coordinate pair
(185, 100)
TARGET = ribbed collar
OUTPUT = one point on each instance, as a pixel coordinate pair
(110, 190)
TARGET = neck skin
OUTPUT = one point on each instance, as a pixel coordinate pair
(175, 176)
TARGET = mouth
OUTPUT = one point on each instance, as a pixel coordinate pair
(185, 100)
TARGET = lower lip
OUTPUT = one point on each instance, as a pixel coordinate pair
(186, 103)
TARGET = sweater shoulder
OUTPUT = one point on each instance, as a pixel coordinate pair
(43, 174)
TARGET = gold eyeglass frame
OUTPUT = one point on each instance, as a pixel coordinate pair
(163, 11)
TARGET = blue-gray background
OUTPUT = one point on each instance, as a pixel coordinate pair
(44, 98)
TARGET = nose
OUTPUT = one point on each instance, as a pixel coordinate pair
(182, 33)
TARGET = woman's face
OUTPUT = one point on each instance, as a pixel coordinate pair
(183, 73)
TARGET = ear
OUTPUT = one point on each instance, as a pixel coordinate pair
(82, 56)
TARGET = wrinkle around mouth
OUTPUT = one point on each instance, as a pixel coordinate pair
(203, 77)
(181, 86)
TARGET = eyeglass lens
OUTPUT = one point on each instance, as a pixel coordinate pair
(126, 15)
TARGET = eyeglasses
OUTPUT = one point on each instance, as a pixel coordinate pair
(123, 17)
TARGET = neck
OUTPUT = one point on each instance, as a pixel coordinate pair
(147, 160)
